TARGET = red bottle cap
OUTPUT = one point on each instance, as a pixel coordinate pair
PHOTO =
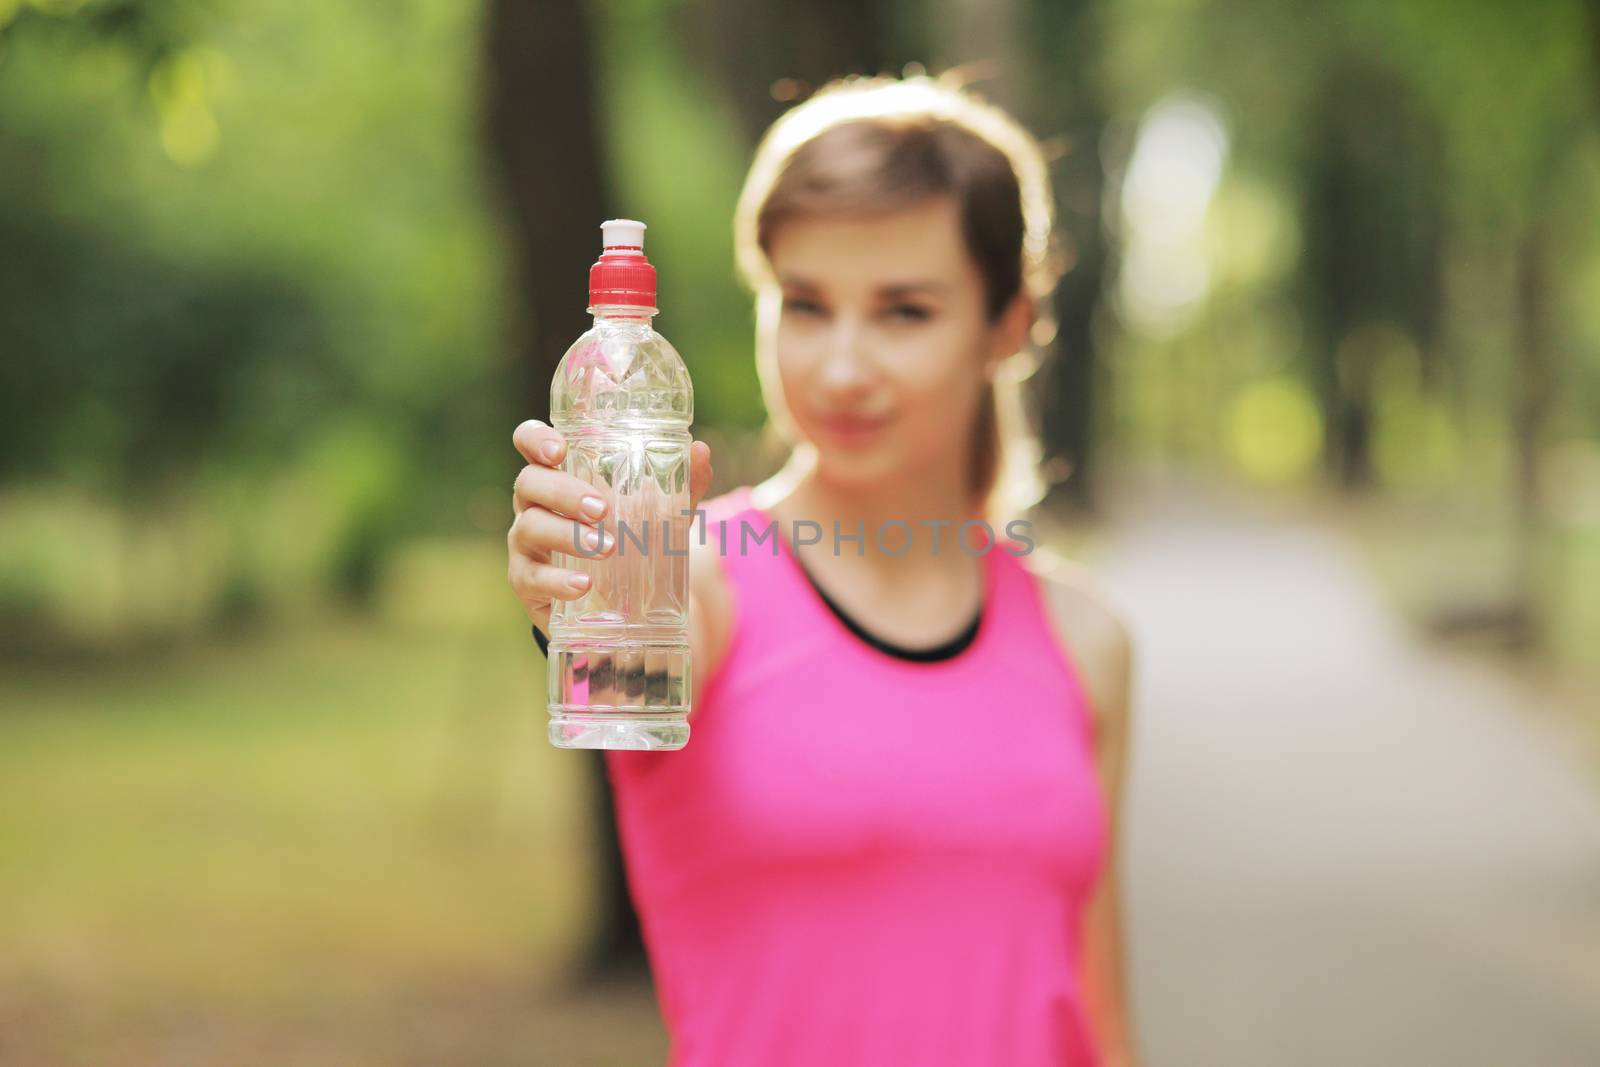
(622, 275)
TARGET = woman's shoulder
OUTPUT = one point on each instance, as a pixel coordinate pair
(726, 505)
(1090, 624)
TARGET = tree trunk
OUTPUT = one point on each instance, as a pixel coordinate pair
(1065, 43)
(752, 44)
(542, 126)
(1373, 226)
(543, 131)
(1531, 394)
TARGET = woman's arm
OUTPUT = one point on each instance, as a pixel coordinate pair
(1103, 970)
(1099, 645)
(710, 618)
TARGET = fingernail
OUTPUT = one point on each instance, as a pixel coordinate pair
(549, 450)
(593, 506)
(579, 581)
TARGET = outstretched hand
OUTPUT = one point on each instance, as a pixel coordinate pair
(546, 501)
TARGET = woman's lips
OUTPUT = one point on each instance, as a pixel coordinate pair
(853, 429)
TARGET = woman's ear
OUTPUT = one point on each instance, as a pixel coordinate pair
(1009, 333)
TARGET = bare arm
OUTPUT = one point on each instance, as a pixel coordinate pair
(1099, 645)
(710, 619)
(1103, 966)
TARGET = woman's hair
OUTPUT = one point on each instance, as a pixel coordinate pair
(862, 147)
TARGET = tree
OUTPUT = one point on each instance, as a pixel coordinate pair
(541, 124)
(765, 53)
(1372, 220)
(1062, 84)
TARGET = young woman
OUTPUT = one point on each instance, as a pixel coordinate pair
(892, 837)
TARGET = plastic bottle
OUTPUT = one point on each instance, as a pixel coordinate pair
(619, 664)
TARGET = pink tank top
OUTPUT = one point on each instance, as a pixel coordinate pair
(860, 859)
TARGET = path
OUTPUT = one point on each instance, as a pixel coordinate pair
(1343, 848)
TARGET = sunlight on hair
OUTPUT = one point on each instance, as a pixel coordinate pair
(913, 98)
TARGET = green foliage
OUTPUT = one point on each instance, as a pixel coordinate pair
(238, 236)
(680, 163)
(250, 301)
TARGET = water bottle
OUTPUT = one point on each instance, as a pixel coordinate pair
(619, 667)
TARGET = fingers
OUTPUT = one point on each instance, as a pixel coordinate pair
(564, 493)
(699, 472)
(559, 492)
(564, 499)
(538, 532)
(537, 584)
(539, 442)
(555, 513)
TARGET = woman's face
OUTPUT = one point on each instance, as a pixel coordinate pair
(880, 342)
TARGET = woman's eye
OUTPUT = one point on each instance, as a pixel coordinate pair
(910, 313)
(801, 307)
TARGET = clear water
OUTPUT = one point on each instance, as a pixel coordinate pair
(619, 664)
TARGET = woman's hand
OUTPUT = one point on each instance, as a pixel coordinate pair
(549, 505)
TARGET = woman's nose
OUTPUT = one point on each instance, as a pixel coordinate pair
(845, 364)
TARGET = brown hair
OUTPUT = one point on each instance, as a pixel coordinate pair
(864, 146)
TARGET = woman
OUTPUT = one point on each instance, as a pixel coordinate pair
(892, 836)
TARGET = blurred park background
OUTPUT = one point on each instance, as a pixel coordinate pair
(277, 280)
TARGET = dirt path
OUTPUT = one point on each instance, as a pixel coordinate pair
(1343, 847)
